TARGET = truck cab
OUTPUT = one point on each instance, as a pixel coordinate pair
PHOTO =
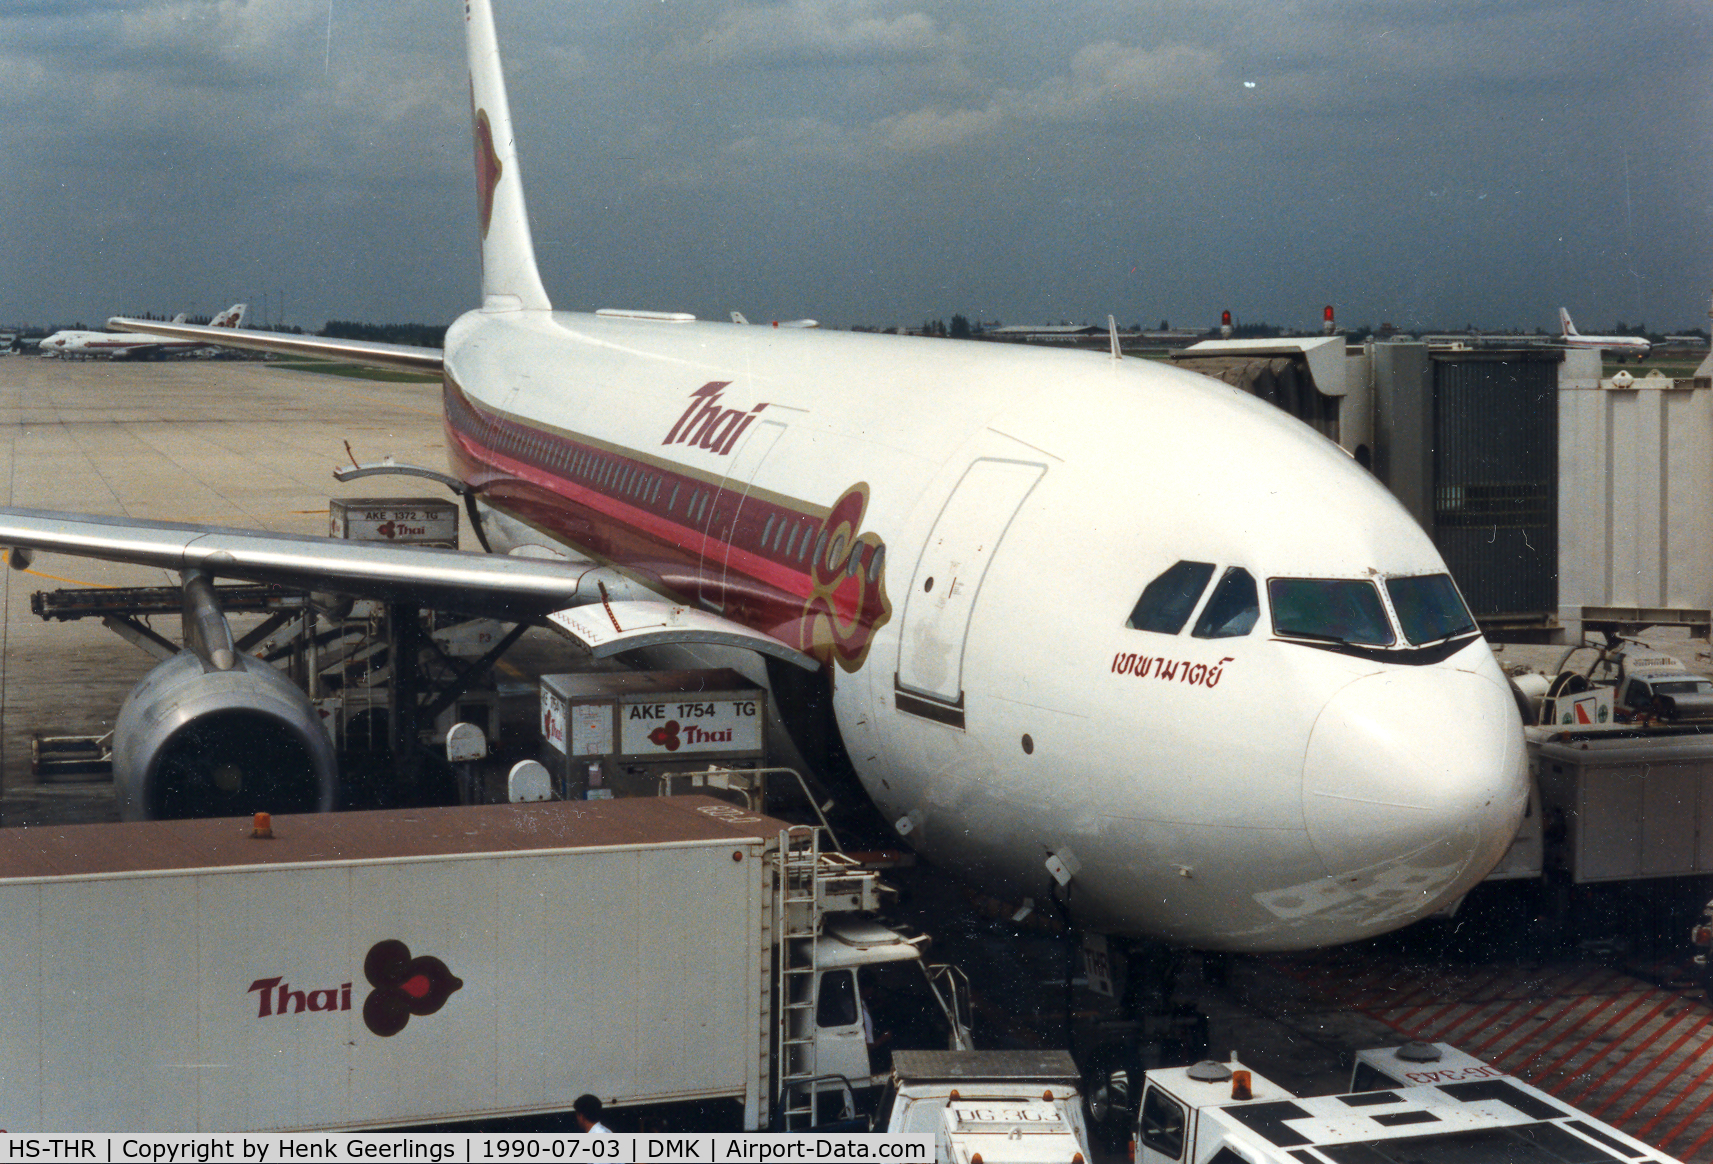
(1422, 1103)
(853, 990)
(988, 1107)
(874, 995)
(1661, 687)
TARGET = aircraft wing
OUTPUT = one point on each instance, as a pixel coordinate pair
(376, 355)
(509, 588)
(504, 587)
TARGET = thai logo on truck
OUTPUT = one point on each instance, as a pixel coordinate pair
(403, 986)
(276, 996)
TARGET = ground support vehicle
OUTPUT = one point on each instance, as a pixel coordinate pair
(1622, 761)
(398, 968)
(988, 1107)
(1421, 1103)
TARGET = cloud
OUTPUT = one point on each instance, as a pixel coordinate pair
(812, 32)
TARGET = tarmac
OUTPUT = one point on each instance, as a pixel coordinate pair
(225, 442)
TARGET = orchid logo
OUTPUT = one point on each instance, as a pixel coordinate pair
(847, 603)
(403, 986)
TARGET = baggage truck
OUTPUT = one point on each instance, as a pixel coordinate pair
(1420, 1103)
(430, 966)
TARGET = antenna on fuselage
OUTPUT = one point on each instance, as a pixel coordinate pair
(1112, 335)
(510, 281)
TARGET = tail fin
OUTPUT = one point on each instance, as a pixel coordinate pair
(1564, 323)
(510, 281)
(180, 317)
(233, 316)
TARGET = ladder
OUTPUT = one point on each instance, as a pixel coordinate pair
(796, 925)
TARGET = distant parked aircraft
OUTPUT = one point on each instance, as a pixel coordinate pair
(1621, 344)
(132, 345)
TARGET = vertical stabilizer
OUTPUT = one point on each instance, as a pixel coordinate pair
(1565, 324)
(510, 281)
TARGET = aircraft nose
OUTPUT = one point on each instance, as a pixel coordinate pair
(1414, 783)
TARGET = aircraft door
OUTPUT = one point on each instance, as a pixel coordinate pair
(725, 514)
(942, 594)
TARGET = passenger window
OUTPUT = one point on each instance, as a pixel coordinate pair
(1162, 1124)
(1329, 609)
(1166, 604)
(1232, 610)
(837, 1005)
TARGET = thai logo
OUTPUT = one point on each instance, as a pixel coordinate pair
(275, 996)
(708, 424)
(847, 576)
(487, 165)
(403, 986)
(665, 736)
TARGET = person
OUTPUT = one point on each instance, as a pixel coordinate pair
(586, 1110)
(879, 1055)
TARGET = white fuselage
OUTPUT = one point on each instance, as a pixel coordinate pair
(1007, 507)
(1626, 344)
(109, 343)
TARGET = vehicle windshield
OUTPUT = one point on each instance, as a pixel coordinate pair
(1684, 687)
(1334, 609)
(1429, 608)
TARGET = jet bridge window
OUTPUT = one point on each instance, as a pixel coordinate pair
(1330, 609)
(1429, 608)
(1168, 600)
(1232, 610)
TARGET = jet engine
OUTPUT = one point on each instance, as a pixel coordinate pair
(195, 741)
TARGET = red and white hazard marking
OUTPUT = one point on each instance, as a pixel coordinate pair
(1634, 1054)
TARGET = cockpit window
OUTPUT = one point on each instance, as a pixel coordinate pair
(1334, 609)
(1166, 604)
(1429, 608)
(1232, 610)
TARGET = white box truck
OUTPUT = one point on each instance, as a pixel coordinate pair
(398, 968)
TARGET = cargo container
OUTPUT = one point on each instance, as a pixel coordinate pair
(400, 968)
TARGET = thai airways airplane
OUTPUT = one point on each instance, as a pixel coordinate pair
(1082, 626)
(1621, 344)
(132, 345)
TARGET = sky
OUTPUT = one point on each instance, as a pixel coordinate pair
(871, 163)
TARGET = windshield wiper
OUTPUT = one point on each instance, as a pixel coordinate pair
(1449, 635)
(1319, 636)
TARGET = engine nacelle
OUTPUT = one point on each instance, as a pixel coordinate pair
(191, 742)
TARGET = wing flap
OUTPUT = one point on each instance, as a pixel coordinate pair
(375, 355)
(610, 628)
